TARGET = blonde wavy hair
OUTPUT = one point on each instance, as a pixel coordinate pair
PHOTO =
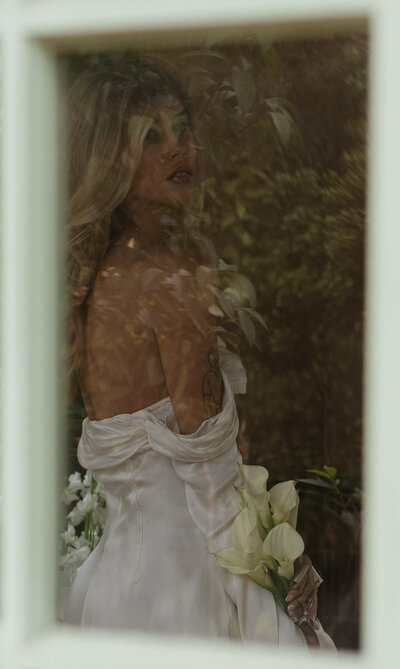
(107, 124)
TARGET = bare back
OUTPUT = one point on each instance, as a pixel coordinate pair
(149, 334)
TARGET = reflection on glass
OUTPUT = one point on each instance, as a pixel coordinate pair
(216, 224)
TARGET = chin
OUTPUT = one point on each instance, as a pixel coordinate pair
(178, 199)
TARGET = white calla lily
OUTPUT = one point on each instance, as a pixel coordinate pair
(286, 569)
(245, 498)
(284, 502)
(255, 478)
(285, 545)
(261, 504)
(233, 559)
(263, 535)
(258, 504)
(244, 532)
(254, 494)
(261, 576)
(246, 555)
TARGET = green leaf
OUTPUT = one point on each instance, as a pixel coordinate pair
(331, 471)
(247, 326)
(246, 289)
(225, 304)
(215, 310)
(242, 214)
(244, 86)
(223, 267)
(202, 52)
(281, 105)
(279, 591)
(227, 95)
(199, 84)
(93, 484)
(316, 482)
(229, 186)
(254, 314)
(230, 338)
(271, 59)
(247, 240)
(319, 472)
(283, 124)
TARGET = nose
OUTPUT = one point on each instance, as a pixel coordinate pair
(172, 146)
(176, 151)
(178, 147)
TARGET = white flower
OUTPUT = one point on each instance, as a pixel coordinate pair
(75, 482)
(284, 502)
(89, 507)
(244, 532)
(254, 494)
(88, 503)
(69, 535)
(75, 516)
(75, 486)
(246, 555)
(285, 545)
(68, 496)
(263, 536)
(255, 478)
(83, 552)
(81, 542)
(87, 479)
(235, 561)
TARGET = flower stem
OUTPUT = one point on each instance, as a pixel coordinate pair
(280, 589)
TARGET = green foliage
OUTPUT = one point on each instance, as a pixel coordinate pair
(290, 214)
(339, 497)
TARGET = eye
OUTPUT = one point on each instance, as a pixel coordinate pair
(179, 127)
(152, 135)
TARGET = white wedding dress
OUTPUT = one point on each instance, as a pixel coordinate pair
(171, 502)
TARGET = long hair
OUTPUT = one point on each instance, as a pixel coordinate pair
(107, 124)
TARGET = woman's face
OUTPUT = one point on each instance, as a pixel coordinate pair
(167, 169)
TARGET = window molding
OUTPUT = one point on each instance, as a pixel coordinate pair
(32, 31)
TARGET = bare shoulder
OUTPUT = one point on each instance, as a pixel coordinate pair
(165, 272)
(123, 269)
(155, 285)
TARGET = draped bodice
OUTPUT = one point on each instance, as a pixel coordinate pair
(111, 441)
(143, 455)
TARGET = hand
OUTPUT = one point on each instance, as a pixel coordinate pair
(302, 598)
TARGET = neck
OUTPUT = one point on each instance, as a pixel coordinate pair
(157, 221)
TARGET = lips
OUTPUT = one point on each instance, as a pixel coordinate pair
(182, 174)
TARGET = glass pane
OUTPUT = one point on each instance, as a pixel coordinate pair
(216, 224)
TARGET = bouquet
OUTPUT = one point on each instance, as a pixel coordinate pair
(263, 535)
(86, 520)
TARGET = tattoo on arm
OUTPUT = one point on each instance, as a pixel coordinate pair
(212, 387)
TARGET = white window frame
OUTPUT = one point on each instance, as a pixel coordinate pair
(30, 427)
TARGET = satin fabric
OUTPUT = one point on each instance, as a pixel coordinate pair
(171, 501)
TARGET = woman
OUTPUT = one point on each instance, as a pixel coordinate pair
(158, 388)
